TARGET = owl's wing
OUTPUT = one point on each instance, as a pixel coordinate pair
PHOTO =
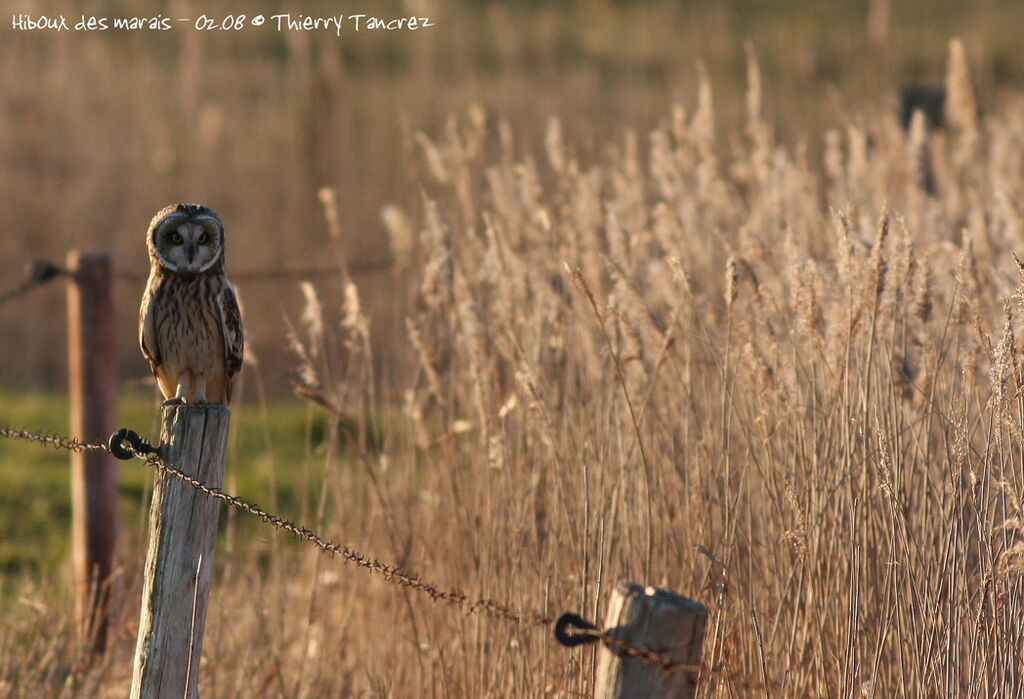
(231, 327)
(147, 330)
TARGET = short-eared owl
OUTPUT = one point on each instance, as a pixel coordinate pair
(190, 328)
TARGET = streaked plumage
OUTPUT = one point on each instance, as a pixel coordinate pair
(190, 327)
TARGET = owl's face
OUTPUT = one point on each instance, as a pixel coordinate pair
(186, 238)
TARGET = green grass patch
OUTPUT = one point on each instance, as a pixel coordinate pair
(275, 459)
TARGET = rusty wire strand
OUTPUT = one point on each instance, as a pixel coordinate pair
(51, 439)
(38, 273)
(389, 572)
(394, 574)
(646, 655)
(285, 274)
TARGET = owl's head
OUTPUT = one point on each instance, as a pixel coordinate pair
(186, 238)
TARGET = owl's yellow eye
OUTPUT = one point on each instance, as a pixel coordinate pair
(203, 237)
(177, 239)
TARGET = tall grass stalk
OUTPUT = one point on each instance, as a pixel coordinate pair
(824, 444)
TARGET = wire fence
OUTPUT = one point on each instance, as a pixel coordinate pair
(283, 274)
(569, 629)
(39, 272)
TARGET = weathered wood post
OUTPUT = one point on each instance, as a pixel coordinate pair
(658, 620)
(92, 365)
(179, 564)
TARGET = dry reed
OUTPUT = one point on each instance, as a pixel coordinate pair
(822, 444)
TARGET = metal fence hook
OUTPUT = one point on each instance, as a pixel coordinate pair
(137, 446)
(584, 633)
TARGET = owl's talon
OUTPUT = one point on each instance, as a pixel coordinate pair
(177, 400)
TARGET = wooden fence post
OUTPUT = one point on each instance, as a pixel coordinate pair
(179, 564)
(659, 620)
(92, 365)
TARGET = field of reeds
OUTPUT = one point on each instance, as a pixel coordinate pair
(788, 385)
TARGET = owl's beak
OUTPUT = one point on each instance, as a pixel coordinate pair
(191, 253)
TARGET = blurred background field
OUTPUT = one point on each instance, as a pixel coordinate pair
(101, 130)
(637, 291)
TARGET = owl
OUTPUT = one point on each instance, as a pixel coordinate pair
(190, 328)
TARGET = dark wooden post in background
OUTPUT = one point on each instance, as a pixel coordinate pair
(659, 620)
(179, 564)
(92, 364)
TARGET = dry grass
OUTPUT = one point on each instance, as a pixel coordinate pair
(102, 129)
(698, 361)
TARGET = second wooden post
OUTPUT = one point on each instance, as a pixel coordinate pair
(92, 364)
(658, 620)
(179, 564)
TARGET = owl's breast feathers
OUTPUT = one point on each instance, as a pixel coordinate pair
(190, 325)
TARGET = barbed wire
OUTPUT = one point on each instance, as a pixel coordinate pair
(283, 274)
(389, 572)
(51, 439)
(586, 632)
(38, 273)
(582, 631)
